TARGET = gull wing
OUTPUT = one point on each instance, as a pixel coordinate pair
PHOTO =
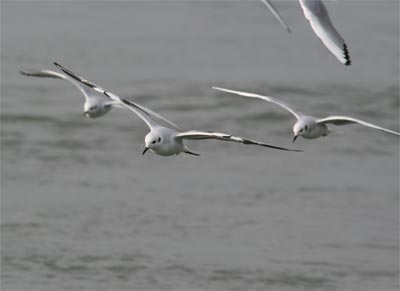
(144, 113)
(284, 105)
(43, 73)
(316, 12)
(276, 14)
(198, 135)
(343, 120)
(52, 74)
(139, 111)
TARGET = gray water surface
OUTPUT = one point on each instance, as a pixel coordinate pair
(83, 210)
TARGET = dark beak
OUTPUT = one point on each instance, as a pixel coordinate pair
(85, 113)
(145, 150)
(294, 138)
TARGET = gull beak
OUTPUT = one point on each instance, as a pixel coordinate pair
(145, 150)
(85, 113)
(294, 138)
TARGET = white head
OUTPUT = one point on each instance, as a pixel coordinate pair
(152, 141)
(90, 109)
(299, 129)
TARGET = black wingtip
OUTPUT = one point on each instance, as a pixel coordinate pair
(283, 149)
(191, 153)
(291, 150)
(62, 68)
(248, 141)
(346, 55)
(65, 70)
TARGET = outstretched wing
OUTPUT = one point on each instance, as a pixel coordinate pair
(43, 74)
(144, 113)
(284, 105)
(198, 135)
(139, 111)
(52, 74)
(276, 14)
(316, 12)
(343, 120)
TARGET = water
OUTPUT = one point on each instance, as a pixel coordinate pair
(83, 210)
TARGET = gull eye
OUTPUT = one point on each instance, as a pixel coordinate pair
(153, 142)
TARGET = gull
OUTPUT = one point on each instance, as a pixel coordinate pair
(307, 126)
(94, 105)
(162, 140)
(316, 12)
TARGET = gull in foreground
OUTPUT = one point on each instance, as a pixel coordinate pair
(166, 141)
(316, 12)
(308, 126)
(94, 106)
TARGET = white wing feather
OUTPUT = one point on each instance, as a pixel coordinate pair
(198, 135)
(284, 105)
(316, 12)
(343, 120)
(52, 74)
(276, 14)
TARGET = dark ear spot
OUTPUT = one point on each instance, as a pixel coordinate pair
(306, 127)
(159, 139)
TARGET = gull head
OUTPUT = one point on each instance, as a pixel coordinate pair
(90, 110)
(152, 141)
(300, 129)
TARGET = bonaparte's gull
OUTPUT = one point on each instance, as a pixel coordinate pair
(308, 126)
(166, 141)
(94, 106)
(316, 12)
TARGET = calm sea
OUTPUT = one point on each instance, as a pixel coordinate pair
(82, 209)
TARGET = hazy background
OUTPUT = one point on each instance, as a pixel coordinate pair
(82, 209)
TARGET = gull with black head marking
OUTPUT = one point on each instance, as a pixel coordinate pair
(162, 140)
(316, 12)
(307, 126)
(94, 106)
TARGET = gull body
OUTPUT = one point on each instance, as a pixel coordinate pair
(308, 126)
(94, 108)
(162, 141)
(317, 14)
(165, 140)
(94, 105)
